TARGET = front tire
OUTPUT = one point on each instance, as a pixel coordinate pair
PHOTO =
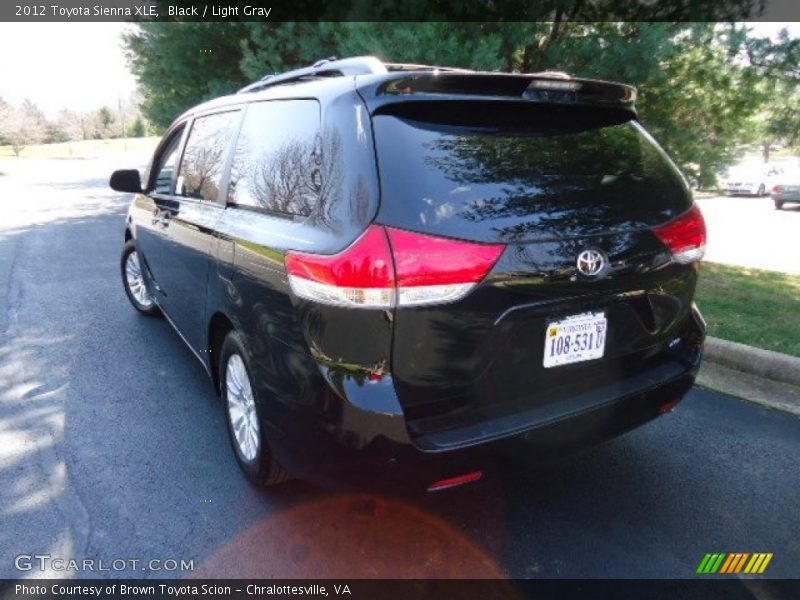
(133, 281)
(244, 416)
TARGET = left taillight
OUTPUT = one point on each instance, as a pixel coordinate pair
(685, 236)
(388, 267)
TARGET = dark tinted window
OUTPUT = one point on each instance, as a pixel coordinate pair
(204, 157)
(278, 158)
(165, 165)
(526, 173)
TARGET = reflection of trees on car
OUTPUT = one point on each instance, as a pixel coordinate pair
(293, 178)
(284, 182)
(564, 180)
(203, 169)
(204, 156)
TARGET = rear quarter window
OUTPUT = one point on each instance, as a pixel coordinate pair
(277, 161)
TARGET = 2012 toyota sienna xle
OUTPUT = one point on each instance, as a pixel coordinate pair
(394, 268)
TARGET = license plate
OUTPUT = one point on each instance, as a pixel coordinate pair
(575, 339)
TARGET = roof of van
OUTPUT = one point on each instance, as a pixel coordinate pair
(381, 83)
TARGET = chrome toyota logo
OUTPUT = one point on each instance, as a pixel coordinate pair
(591, 262)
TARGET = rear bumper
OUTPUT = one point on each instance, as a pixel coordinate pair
(375, 448)
(323, 457)
(787, 197)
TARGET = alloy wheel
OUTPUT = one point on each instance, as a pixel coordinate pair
(135, 281)
(242, 408)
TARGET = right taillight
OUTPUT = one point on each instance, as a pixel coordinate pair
(685, 236)
(389, 267)
(777, 189)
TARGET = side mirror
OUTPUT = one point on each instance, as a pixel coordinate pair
(126, 180)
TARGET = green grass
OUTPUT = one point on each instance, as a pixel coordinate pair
(82, 149)
(750, 306)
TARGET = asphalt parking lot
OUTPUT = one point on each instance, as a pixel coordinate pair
(113, 446)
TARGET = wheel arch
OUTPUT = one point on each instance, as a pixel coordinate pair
(218, 327)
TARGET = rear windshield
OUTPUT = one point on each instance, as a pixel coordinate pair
(528, 173)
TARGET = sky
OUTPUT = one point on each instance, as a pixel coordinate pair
(81, 66)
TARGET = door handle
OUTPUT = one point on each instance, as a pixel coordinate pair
(161, 218)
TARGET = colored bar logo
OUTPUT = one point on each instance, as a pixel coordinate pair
(728, 563)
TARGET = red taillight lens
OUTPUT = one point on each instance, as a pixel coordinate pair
(361, 275)
(777, 189)
(685, 236)
(433, 270)
(387, 267)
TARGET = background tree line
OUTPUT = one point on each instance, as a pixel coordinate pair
(704, 88)
(25, 124)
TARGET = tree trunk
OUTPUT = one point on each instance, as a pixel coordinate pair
(765, 148)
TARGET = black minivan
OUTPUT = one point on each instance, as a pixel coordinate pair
(393, 269)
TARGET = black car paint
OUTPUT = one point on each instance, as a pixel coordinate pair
(346, 389)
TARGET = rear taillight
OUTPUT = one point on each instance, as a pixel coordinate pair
(388, 267)
(777, 189)
(685, 236)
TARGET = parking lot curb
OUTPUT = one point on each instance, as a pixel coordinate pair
(770, 379)
(755, 361)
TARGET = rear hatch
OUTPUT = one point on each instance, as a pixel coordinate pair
(547, 182)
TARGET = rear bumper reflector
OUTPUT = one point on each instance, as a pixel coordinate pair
(668, 406)
(444, 484)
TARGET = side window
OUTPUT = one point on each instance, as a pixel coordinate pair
(165, 165)
(204, 157)
(278, 158)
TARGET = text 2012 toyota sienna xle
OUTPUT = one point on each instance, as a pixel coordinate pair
(394, 268)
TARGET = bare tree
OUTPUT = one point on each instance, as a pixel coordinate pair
(68, 125)
(22, 126)
(4, 108)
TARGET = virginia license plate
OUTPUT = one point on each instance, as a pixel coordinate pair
(575, 339)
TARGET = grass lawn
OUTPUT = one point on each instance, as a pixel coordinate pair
(82, 149)
(750, 306)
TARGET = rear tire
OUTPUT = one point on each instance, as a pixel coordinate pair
(133, 281)
(762, 190)
(244, 415)
(778, 205)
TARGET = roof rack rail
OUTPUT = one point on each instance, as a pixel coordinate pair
(327, 67)
(552, 74)
(416, 67)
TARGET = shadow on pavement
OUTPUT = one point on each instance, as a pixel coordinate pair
(113, 444)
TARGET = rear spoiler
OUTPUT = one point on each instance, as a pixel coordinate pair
(543, 88)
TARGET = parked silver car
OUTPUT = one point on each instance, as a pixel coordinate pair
(753, 181)
(786, 192)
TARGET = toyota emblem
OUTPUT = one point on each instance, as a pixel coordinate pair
(591, 262)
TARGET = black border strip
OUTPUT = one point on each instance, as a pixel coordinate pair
(728, 588)
(397, 10)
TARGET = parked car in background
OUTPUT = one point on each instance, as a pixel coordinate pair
(390, 269)
(753, 181)
(788, 191)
